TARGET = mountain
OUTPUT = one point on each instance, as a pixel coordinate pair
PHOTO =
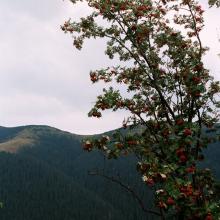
(44, 176)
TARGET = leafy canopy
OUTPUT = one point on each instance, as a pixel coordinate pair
(172, 96)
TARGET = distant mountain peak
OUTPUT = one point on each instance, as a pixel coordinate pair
(12, 139)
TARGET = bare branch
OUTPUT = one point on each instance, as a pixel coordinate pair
(127, 188)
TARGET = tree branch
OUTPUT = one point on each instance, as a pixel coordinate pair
(127, 188)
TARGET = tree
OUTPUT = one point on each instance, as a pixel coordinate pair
(214, 2)
(171, 97)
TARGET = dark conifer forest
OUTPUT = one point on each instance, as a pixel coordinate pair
(44, 176)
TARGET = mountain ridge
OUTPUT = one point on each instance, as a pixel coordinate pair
(51, 172)
(48, 170)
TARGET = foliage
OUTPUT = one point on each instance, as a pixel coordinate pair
(214, 2)
(172, 96)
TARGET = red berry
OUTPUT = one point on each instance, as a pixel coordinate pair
(162, 205)
(187, 132)
(170, 201)
(209, 217)
(87, 146)
(197, 94)
(123, 7)
(132, 142)
(180, 151)
(150, 182)
(191, 169)
(196, 79)
(183, 158)
(180, 121)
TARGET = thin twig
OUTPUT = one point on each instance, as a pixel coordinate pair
(127, 188)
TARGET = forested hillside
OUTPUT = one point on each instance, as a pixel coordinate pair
(44, 175)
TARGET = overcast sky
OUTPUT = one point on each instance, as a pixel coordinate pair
(45, 80)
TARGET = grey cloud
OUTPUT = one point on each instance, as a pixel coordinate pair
(42, 10)
(44, 80)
